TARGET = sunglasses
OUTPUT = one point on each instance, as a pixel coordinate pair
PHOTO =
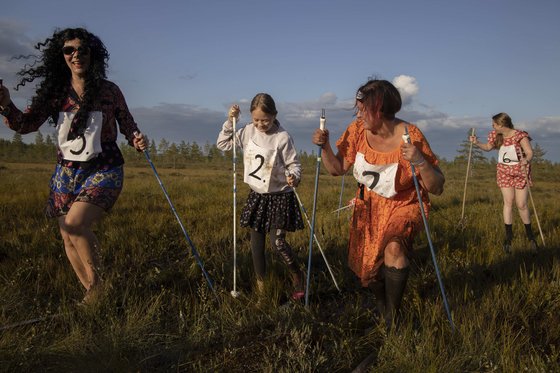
(70, 50)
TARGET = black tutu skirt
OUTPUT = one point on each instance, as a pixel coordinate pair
(264, 212)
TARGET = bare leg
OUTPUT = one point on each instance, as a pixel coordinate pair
(73, 256)
(84, 249)
(394, 256)
(509, 195)
(521, 196)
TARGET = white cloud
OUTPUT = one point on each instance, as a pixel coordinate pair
(541, 126)
(407, 86)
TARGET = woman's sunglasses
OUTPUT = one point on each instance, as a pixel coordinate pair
(70, 50)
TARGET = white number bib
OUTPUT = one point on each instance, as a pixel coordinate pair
(258, 164)
(82, 148)
(380, 179)
(507, 155)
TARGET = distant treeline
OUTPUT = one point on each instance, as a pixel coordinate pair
(173, 155)
(165, 153)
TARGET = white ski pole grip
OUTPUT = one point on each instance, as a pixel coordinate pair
(322, 120)
(406, 138)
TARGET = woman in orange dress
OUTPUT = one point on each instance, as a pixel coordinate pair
(387, 214)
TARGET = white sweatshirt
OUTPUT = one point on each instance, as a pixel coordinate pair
(275, 139)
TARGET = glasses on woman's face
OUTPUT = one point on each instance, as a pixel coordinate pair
(70, 50)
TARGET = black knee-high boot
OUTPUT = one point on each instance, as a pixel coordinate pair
(378, 289)
(509, 238)
(531, 236)
(395, 283)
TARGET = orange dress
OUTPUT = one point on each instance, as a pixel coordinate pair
(378, 220)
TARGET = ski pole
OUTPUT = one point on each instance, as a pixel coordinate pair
(406, 138)
(234, 292)
(533, 203)
(191, 244)
(322, 121)
(314, 235)
(344, 207)
(467, 178)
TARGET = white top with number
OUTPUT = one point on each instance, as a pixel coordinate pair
(508, 155)
(266, 156)
(377, 178)
(258, 165)
(82, 148)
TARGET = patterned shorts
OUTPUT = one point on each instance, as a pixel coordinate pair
(264, 212)
(98, 187)
(512, 177)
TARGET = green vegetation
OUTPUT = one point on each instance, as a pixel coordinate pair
(159, 315)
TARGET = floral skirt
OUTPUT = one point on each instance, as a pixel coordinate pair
(98, 187)
(264, 212)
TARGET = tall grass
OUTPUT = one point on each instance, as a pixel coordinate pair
(159, 315)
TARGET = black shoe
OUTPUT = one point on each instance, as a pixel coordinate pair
(533, 245)
(507, 247)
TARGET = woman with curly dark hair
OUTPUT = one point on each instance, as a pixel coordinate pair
(73, 93)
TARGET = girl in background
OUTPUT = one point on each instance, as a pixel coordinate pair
(272, 208)
(513, 172)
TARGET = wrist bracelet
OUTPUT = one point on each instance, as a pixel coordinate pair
(419, 163)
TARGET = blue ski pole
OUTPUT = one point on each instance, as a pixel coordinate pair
(191, 244)
(322, 121)
(406, 138)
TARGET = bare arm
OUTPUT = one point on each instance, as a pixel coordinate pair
(335, 164)
(431, 177)
(527, 149)
(486, 147)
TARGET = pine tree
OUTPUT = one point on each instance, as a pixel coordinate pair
(153, 148)
(172, 154)
(39, 140)
(196, 152)
(476, 154)
(49, 141)
(538, 154)
(17, 146)
(163, 146)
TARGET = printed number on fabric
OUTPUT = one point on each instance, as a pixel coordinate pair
(508, 155)
(377, 178)
(258, 164)
(82, 148)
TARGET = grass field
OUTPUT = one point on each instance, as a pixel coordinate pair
(159, 315)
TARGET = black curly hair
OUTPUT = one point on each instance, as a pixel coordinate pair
(51, 67)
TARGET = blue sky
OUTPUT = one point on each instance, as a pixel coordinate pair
(180, 64)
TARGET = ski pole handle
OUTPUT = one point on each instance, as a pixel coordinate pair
(406, 138)
(322, 120)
